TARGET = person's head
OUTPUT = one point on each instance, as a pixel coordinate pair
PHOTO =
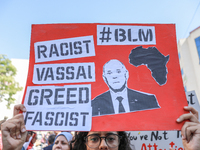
(62, 141)
(104, 140)
(56, 132)
(51, 139)
(115, 75)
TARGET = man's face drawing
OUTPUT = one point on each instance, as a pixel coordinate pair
(115, 75)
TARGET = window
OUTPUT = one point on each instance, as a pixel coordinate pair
(197, 41)
(185, 88)
(182, 71)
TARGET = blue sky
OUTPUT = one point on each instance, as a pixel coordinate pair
(16, 17)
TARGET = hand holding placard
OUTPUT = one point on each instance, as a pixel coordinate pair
(14, 131)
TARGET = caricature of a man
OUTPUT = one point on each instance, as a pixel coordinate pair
(119, 98)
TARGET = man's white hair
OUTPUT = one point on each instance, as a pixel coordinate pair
(123, 66)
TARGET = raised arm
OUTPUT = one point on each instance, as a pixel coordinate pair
(14, 131)
(190, 130)
(18, 108)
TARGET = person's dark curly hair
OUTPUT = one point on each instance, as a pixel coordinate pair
(79, 142)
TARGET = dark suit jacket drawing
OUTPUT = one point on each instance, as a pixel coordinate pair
(102, 104)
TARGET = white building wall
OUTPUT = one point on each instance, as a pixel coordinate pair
(189, 61)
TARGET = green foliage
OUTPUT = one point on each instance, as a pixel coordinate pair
(8, 85)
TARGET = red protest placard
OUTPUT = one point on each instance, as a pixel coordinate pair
(128, 73)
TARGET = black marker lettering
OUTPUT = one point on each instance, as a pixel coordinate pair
(59, 71)
(49, 118)
(34, 97)
(53, 50)
(122, 34)
(56, 119)
(84, 117)
(87, 47)
(41, 50)
(71, 95)
(38, 119)
(66, 118)
(191, 99)
(61, 49)
(70, 73)
(86, 93)
(40, 75)
(81, 72)
(71, 48)
(79, 47)
(56, 102)
(26, 117)
(89, 72)
(145, 37)
(49, 74)
(75, 119)
(46, 96)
